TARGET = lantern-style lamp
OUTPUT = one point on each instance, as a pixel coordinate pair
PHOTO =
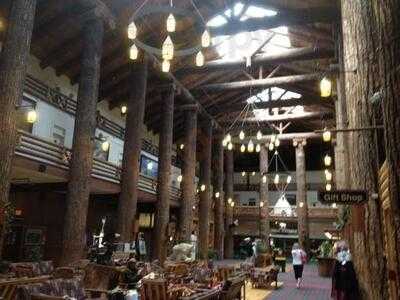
(241, 135)
(206, 39)
(327, 160)
(259, 135)
(325, 87)
(250, 146)
(132, 31)
(200, 59)
(276, 179)
(171, 23)
(168, 49)
(242, 148)
(230, 146)
(124, 109)
(166, 66)
(133, 52)
(31, 116)
(326, 135)
(258, 148)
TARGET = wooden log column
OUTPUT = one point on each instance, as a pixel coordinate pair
(128, 197)
(301, 195)
(13, 62)
(83, 142)
(229, 209)
(189, 173)
(164, 176)
(219, 196)
(205, 196)
(264, 201)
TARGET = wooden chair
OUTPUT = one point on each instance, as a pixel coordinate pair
(154, 289)
(8, 288)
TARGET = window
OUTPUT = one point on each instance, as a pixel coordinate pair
(59, 135)
(22, 123)
(148, 166)
(99, 153)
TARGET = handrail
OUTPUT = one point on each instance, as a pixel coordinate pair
(313, 212)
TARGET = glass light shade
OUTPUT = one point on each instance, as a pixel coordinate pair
(171, 23)
(200, 59)
(217, 195)
(230, 146)
(276, 179)
(327, 136)
(250, 146)
(229, 200)
(271, 146)
(168, 49)
(327, 160)
(232, 204)
(328, 176)
(243, 174)
(242, 148)
(105, 146)
(228, 137)
(206, 39)
(289, 179)
(180, 177)
(301, 204)
(241, 135)
(132, 31)
(264, 179)
(124, 109)
(259, 135)
(203, 187)
(166, 66)
(133, 52)
(328, 187)
(31, 116)
(258, 148)
(224, 142)
(277, 142)
(253, 174)
(261, 204)
(181, 146)
(325, 87)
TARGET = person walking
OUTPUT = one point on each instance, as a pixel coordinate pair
(299, 259)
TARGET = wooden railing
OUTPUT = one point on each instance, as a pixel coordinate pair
(276, 212)
(46, 152)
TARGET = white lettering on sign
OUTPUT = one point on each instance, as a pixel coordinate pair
(343, 197)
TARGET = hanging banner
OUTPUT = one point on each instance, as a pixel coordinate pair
(343, 197)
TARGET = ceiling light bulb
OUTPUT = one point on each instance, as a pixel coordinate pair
(229, 200)
(31, 116)
(259, 135)
(261, 204)
(271, 146)
(206, 39)
(217, 195)
(258, 148)
(328, 187)
(276, 179)
(200, 59)
(325, 87)
(168, 49)
(250, 146)
(124, 109)
(171, 23)
(133, 52)
(180, 177)
(242, 148)
(166, 66)
(327, 135)
(230, 146)
(327, 160)
(203, 187)
(289, 179)
(243, 174)
(277, 142)
(241, 135)
(132, 31)
(105, 146)
(264, 179)
(224, 142)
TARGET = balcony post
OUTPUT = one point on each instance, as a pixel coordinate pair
(301, 195)
(83, 142)
(205, 196)
(128, 197)
(189, 173)
(264, 209)
(219, 201)
(164, 176)
(229, 210)
(13, 62)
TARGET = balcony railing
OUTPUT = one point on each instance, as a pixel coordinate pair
(284, 212)
(46, 152)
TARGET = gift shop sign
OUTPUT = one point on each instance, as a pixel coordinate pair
(343, 197)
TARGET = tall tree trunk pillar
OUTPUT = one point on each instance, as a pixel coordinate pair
(205, 196)
(189, 173)
(128, 197)
(264, 202)
(13, 62)
(220, 197)
(164, 177)
(229, 209)
(82, 149)
(301, 195)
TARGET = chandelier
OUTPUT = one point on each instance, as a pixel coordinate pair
(167, 52)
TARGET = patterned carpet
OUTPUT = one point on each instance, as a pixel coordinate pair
(313, 287)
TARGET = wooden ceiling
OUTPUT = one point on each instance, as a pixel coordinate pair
(57, 43)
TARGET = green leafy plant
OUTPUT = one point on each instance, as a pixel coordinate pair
(325, 249)
(262, 248)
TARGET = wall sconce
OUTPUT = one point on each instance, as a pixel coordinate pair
(31, 116)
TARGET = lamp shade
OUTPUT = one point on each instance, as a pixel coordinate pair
(171, 23)
(325, 87)
(168, 49)
(200, 59)
(132, 31)
(206, 39)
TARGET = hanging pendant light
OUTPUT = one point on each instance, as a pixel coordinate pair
(250, 146)
(259, 135)
(327, 135)
(206, 39)
(289, 179)
(230, 146)
(171, 23)
(325, 87)
(200, 59)
(181, 146)
(232, 204)
(228, 137)
(217, 195)
(328, 187)
(224, 143)
(276, 179)
(203, 187)
(229, 200)
(258, 148)
(328, 175)
(132, 31)
(242, 148)
(243, 174)
(264, 179)
(168, 49)
(273, 138)
(253, 174)
(166, 66)
(241, 135)
(124, 109)
(133, 52)
(327, 160)
(277, 142)
(271, 146)
(180, 177)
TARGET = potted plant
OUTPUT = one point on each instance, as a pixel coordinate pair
(325, 259)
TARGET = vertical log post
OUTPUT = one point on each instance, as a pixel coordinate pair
(219, 201)
(229, 210)
(264, 207)
(164, 177)
(189, 173)
(82, 149)
(205, 196)
(128, 197)
(13, 62)
(301, 195)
